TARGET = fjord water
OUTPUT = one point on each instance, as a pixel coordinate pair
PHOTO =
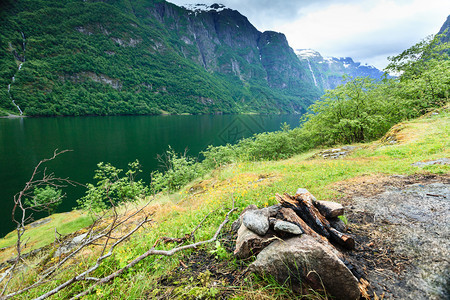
(117, 140)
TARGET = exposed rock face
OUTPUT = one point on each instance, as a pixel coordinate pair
(336, 152)
(445, 29)
(303, 258)
(440, 161)
(222, 40)
(327, 72)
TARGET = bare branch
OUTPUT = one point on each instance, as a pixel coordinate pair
(153, 251)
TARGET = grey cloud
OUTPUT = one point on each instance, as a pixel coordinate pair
(263, 14)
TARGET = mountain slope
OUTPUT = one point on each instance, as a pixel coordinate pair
(143, 57)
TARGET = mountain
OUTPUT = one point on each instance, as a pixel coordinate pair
(445, 30)
(112, 57)
(327, 72)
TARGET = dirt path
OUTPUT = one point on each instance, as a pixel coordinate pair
(402, 224)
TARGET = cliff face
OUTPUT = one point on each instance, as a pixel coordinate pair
(161, 57)
(327, 72)
(225, 41)
(445, 30)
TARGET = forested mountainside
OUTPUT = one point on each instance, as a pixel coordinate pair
(112, 57)
(327, 72)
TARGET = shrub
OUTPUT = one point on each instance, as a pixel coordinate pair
(47, 198)
(111, 189)
(178, 170)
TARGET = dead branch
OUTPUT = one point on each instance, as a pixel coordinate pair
(186, 237)
(23, 210)
(108, 234)
(154, 251)
(91, 239)
(299, 209)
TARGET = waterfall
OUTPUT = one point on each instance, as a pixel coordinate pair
(314, 77)
(21, 112)
(13, 79)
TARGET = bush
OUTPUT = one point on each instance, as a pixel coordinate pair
(179, 169)
(47, 198)
(111, 189)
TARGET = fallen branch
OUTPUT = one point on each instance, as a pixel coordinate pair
(166, 239)
(20, 212)
(154, 251)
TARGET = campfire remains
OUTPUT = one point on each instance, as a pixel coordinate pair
(293, 241)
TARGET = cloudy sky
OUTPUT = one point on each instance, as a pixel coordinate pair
(367, 30)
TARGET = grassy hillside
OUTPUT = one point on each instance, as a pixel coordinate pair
(175, 215)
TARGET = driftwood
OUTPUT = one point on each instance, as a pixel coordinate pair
(299, 209)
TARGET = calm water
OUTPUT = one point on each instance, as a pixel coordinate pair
(118, 140)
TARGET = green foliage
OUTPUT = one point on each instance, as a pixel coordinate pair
(263, 146)
(357, 111)
(47, 198)
(271, 145)
(220, 252)
(112, 189)
(424, 69)
(178, 170)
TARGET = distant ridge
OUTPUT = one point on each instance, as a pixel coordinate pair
(327, 72)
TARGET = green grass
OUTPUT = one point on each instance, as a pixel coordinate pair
(43, 235)
(252, 183)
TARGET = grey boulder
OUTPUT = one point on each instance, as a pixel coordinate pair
(257, 221)
(249, 243)
(287, 227)
(301, 259)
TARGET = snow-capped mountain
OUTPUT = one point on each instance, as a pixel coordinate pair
(204, 7)
(327, 72)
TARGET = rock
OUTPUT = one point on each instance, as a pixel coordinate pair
(329, 209)
(287, 227)
(440, 161)
(302, 191)
(79, 239)
(236, 224)
(67, 247)
(304, 259)
(271, 211)
(272, 222)
(338, 224)
(40, 222)
(335, 153)
(249, 243)
(257, 221)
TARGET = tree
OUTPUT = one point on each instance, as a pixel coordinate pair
(356, 111)
(424, 74)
